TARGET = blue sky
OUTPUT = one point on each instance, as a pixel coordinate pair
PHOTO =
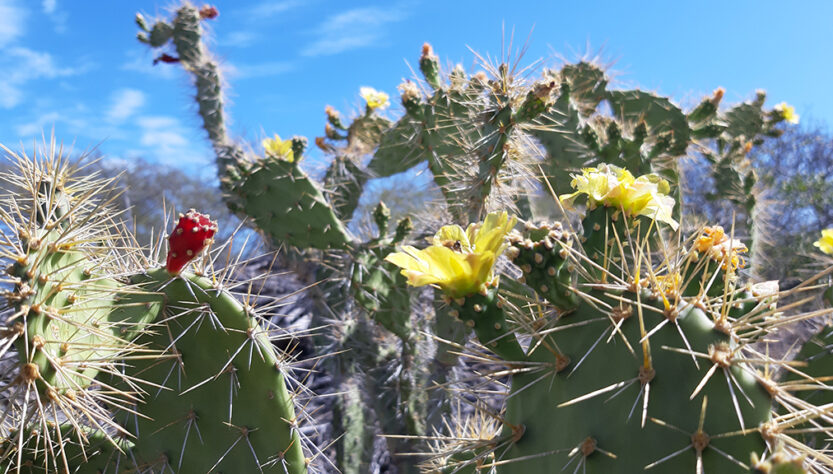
(76, 65)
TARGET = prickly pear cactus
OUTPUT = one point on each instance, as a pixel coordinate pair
(634, 366)
(606, 323)
(294, 210)
(115, 364)
(70, 316)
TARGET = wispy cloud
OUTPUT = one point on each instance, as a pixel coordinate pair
(57, 17)
(22, 65)
(77, 120)
(267, 9)
(35, 127)
(353, 29)
(12, 21)
(125, 103)
(238, 39)
(166, 140)
(161, 132)
(265, 69)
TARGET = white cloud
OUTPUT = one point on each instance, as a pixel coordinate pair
(22, 65)
(238, 39)
(35, 127)
(75, 121)
(58, 17)
(266, 69)
(167, 141)
(353, 29)
(124, 103)
(269, 9)
(12, 21)
(151, 122)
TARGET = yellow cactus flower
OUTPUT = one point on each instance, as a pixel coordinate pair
(787, 111)
(669, 283)
(616, 187)
(375, 99)
(278, 148)
(459, 262)
(825, 243)
(720, 247)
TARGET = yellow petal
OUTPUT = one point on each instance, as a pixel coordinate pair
(408, 259)
(444, 262)
(825, 243)
(375, 99)
(481, 267)
(452, 233)
(460, 271)
(278, 148)
(616, 187)
(491, 234)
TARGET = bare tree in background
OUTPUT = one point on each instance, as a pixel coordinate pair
(795, 188)
(151, 188)
(147, 189)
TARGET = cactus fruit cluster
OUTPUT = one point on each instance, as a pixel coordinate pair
(563, 317)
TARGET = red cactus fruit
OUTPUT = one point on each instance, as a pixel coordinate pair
(192, 234)
(165, 58)
(208, 12)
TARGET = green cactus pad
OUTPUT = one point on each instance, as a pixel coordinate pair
(483, 313)
(382, 291)
(86, 451)
(661, 116)
(344, 181)
(366, 131)
(604, 432)
(398, 149)
(222, 402)
(288, 206)
(562, 139)
(77, 318)
(543, 257)
(745, 120)
(587, 85)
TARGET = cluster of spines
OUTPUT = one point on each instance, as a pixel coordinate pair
(69, 316)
